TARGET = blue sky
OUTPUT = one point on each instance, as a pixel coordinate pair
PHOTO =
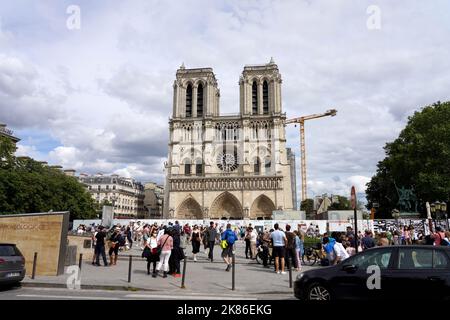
(98, 99)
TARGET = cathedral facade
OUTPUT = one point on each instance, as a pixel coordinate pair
(227, 166)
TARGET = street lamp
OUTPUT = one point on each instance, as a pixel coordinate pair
(440, 208)
(395, 214)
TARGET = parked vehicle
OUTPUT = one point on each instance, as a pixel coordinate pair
(12, 264)
(395, 272)
(312, 255)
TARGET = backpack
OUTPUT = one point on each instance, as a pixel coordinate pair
(444, 242)
(121, 241)
(231, 238)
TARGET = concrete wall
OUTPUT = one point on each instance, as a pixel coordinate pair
(44, 233)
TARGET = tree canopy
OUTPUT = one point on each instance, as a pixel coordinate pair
(28, 186)
(419, 158)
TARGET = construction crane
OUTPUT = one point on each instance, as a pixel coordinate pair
(301, 122)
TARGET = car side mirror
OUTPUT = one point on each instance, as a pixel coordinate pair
(350, 268)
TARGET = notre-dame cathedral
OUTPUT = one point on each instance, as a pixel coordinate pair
(228, 166)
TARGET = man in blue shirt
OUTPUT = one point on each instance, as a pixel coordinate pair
(279, 241)
(227, 253)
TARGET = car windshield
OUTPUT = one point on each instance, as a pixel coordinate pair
(8, 251)
(380, 258)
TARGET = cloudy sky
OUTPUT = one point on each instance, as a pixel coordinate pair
(98, 98)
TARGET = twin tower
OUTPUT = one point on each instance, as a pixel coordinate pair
(230, 166)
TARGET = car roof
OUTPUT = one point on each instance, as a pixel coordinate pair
(415, 246)
(7, 244)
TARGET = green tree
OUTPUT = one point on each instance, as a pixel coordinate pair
(307, 206)
(418, 158)
(342, 204)
(27, 186)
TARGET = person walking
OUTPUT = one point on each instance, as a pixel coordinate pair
(196, 239)
(227, 253)
(211, 234)
(129, 236)
(291, 254)
(299, 241)
(279, 241)
(100, 246)
(165, 244)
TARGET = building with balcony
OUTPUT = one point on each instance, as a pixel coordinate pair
(125, 194)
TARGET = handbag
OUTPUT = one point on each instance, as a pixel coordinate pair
(160, 248)
(223, 244)
(146, 253)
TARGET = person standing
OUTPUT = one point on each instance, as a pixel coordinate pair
(279, 241)
(177, 254)
(253, 238)
(100, 246)
(152, 256)
(196, 239)
(115, 241)
(340, 252)
(367, 242)
(247, 238)
(94, 257)
(165, 243)
(227, 253)
(383, 240)
(211, 235)
(438, 236)
(291, 254)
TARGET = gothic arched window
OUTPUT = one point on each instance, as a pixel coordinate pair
(189, 101)
(265, 98)
(198, 167)
(200, 100)
(254, 98)
(187, 167)
(256, 166)
(267, 164)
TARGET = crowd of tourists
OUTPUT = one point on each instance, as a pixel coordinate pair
(165, 246)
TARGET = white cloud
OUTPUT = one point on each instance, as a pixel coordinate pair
(105, 91)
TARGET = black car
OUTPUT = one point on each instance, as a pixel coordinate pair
(405, 272)
(12, 264)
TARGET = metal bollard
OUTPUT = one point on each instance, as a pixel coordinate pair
(80, 261)
(233, 262)
(34, 265)
(129, 268)
(184, 273)
(290, 276)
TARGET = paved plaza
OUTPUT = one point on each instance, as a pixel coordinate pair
(204, 280)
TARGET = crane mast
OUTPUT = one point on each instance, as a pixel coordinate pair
(301, 122)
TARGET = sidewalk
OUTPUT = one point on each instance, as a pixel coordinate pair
(201, 277)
